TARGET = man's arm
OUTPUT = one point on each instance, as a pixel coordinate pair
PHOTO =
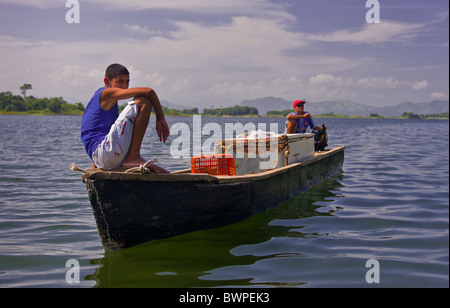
(157, 108)
(162, 128)
(295, 117)
(110, 96)
(320, 128)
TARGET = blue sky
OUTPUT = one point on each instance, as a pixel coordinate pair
(217, 53)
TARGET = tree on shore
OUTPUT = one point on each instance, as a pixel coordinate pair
(33, 105)
(374, 115)
(25, 88)
(231, 111)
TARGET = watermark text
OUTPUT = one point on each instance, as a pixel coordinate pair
(212, 139)
(73, 15)
(373, 15)
(373, 275)
(73, 274)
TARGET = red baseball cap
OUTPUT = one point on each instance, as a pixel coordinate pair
(298, 102)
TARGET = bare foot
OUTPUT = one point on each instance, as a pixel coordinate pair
(129, 163)
(157, 169)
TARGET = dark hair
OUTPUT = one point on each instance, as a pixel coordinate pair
(116, 69)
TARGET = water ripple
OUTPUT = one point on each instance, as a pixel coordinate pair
(389, 203)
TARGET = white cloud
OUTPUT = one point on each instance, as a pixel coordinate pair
(420, 85)
(41, 4)
(322, 79)
(328, 79)
(238, 90)
(155, 79)
(367, 82)
(197, 6)
(244, 42)
(386, 31)
(140, 29)
(249, 54)
(378, 82)
(191, 60)
(9, 42)
(439, 95)
(248, 7)
(76, 76)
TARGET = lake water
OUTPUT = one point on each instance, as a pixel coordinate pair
(390, 203)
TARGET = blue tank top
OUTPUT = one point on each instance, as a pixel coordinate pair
(301, 124)
(96, 122)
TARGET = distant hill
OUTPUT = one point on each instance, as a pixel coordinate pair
(268, 104)
(347, 107)
(420, 108)
(169, 105)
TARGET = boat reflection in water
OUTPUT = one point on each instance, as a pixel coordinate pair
(196, 259)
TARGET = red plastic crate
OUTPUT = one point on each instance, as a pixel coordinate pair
(215, 164)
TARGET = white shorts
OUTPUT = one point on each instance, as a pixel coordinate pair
(112, 151)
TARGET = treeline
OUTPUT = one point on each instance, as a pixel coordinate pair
(275, 113)
(10, 103)
(405, 115)
(177, 112)
(171, 111)
(284, 113)
(231, 111)
(411, 115)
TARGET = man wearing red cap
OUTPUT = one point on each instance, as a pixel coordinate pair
(298, 121)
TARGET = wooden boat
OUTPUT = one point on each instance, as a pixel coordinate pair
(131, 209)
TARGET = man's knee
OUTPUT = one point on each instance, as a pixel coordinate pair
(144, 104)
(290, 127)
(142, 100)
(292, 123)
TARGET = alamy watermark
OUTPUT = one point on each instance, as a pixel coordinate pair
(73, 15)
(373, 15)
(212, 139)
(373, 275)
(73, 274)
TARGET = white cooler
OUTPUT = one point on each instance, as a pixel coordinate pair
(254, 155)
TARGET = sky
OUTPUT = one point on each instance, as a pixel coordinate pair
(204, 53)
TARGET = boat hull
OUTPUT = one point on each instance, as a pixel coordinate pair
(131, 209)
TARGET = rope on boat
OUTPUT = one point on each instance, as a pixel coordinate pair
(284, 145)
(142, 168)
(74, 168)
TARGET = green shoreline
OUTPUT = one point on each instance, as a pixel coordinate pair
(40, 113)
(322, 116)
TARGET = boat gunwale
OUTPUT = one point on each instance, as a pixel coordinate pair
(181, 176)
